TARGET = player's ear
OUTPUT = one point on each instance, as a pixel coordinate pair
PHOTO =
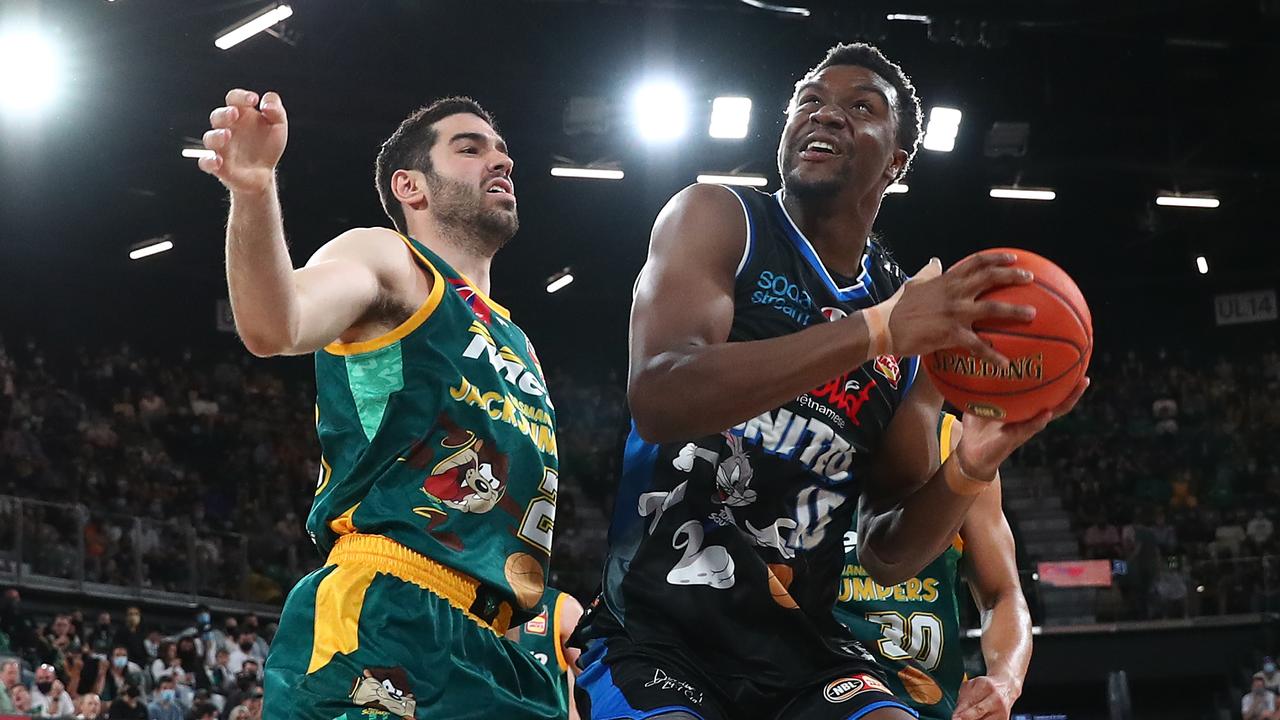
(410, 188)
(897, 161)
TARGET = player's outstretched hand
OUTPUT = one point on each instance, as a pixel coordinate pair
(248, 137)
(936, 310)
(985, 698)
(987, 443)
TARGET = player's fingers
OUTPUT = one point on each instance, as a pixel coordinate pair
(216, 139)
(979, 347)
(210, 165)
(931, 270)
(978, 263)
(1067, 405)
(976, 711)
(272, 108)
(993, 310)
(993, 277)
(224, 117)
(243, 98)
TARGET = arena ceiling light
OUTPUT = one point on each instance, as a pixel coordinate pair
(784, 9)
(30, 71)
(747, 180)
(730, 117)
(1202, 264)
(559, 281)
(154, 246)
(906, 17)
(897, 189)
(940, 133)
(1189, 201)
(253, 25)
(197, 152)
(1021, 193)
(588, 173)
(661, 110)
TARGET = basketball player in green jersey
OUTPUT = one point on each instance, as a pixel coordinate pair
(546, 637)
(436, 498)
(913, 628)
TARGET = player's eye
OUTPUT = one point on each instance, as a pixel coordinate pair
(808, 100)
(471, 150)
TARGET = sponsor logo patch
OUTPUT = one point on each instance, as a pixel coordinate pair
(842, 689)
(538, 625)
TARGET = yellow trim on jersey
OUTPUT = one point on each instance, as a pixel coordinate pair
(555, 618)
(343, 524)
(944, 451)
(403, 329)
(339, 600)
(378, 554)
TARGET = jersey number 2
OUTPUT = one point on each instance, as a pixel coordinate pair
(540, 518)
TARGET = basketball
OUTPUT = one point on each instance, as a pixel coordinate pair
(1047, 355)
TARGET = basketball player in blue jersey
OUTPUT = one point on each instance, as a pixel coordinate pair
(775, 390)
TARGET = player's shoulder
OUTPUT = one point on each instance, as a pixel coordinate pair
(376, 247)
(702, 220)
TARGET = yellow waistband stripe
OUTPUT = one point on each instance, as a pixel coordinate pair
(379, 554)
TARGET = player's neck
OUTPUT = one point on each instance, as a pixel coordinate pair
(837, 227)
(463, 254)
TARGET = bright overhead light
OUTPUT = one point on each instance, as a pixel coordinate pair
(785, 9)
(1015, 193)
(661, 111)
(252, 25)
(1187, 201)
(197, 153)
(151, 247)
(908, 17)
(589, 173)
(1202, 264)
(749, 180)
(897, 189)
(940, 133)
(730, 117)
(559, 281)
(30, 72)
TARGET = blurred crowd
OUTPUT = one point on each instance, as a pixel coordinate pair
(1170, 466)
(90, 668)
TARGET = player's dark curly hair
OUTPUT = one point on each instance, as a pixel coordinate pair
(910, 117)
(409, 148)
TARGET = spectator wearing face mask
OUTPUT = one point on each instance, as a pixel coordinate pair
(201, 630)
(129, 705)
(244, 652)
(246, 680)
(121, 673)
(261, 648)
(1270, 674)
(102, 637)
(50, 698)
(133, 635)
(164, 704)
(224, 638)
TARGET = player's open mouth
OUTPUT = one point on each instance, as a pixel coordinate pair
(500, 186)
(819, 150)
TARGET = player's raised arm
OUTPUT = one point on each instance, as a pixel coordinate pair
(687, 381)
(279, 310)
(901, 532)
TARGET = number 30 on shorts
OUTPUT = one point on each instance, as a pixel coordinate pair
(918, 636)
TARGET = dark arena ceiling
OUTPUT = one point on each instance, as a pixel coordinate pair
(1120, 100)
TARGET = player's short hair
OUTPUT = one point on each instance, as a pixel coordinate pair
(409, 148)
(910, 117)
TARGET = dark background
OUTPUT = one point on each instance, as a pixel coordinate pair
(1124, 99)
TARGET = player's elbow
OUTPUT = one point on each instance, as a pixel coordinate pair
(653, 422)
(263, 345)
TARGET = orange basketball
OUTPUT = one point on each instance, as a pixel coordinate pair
(1048, 355)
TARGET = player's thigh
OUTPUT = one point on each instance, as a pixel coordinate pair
(621, 682)
(856, 695)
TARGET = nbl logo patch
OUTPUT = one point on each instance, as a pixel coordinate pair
(842, 689)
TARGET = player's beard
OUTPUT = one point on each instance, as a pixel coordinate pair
(815, 188)
(462, 212)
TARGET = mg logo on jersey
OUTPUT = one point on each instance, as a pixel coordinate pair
(504, 360)
(833, 313)
(842, 689)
